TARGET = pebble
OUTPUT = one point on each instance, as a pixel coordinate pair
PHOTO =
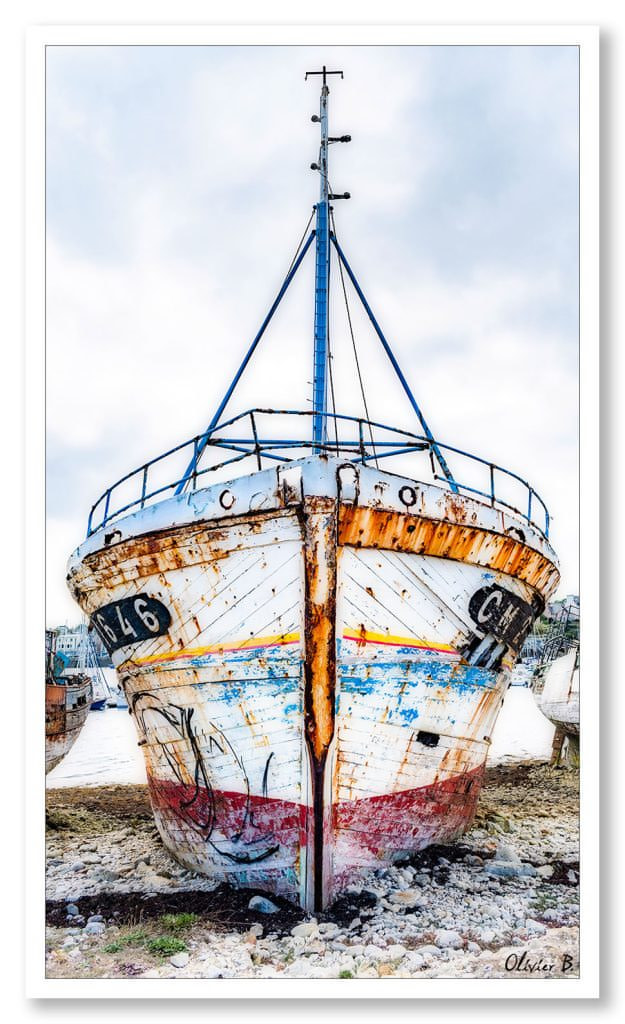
(374, 952)
(545, 871)
(507, 869)
(72, 910)
(94, 928)
(263, 905)
(179, 960)
(304, 930)
(407, 898)
(413, 962)
(507, 853)
(445, 939)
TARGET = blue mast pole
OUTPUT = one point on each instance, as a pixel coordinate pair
(322, 281)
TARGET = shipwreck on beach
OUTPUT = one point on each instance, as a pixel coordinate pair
(314, 648)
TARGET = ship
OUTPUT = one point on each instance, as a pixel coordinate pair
(313, 619)
(68, 699)
(555, 686)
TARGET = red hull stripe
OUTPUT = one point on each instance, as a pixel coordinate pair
(251, 825)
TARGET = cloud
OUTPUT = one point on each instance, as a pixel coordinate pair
(178, 186)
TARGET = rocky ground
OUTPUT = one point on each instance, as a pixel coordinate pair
(504, 903)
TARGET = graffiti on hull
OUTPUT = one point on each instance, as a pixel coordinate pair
(226, 822)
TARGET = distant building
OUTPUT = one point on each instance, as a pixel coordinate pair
(566, 608)
(69, 640)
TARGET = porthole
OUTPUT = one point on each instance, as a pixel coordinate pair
(408, 496)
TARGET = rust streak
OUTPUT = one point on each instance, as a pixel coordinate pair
(402, 531)
(320, 541)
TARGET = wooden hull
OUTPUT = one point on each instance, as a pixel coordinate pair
(329, 666)
(67, 708)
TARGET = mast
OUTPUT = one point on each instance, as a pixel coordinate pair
(324, 241)
(322, 265)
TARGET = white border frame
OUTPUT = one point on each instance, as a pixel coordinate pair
(587, 39)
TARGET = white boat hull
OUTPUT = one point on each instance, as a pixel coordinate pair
(327, 665)
(558, 697)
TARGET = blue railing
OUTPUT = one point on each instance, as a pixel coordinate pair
(368, 442)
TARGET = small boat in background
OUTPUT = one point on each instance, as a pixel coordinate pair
(87, 664)
(68, 698)
(556, 690)
(117, 698)
(521, 674)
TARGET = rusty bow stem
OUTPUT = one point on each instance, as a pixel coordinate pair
(320, 544)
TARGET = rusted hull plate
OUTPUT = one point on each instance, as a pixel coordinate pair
(314, 693)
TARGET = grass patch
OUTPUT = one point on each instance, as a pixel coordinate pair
(178, 922)
(166, 945)
(345, 974)
(113, 947)
(544, 901)
(134, 938)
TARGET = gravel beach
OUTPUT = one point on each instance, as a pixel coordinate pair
(502, 903)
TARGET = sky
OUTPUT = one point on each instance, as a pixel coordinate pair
(178, 184)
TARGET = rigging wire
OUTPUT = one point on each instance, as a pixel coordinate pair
(301, 242)
(351, 331)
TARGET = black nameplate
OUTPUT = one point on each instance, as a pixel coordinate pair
(129, 621)
(507, 617)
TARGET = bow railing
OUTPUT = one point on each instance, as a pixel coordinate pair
(246, 437)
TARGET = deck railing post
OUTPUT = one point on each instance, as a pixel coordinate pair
(361, 441)
(195, 462)
(256, 444)
(106, 506)
(144, 485)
